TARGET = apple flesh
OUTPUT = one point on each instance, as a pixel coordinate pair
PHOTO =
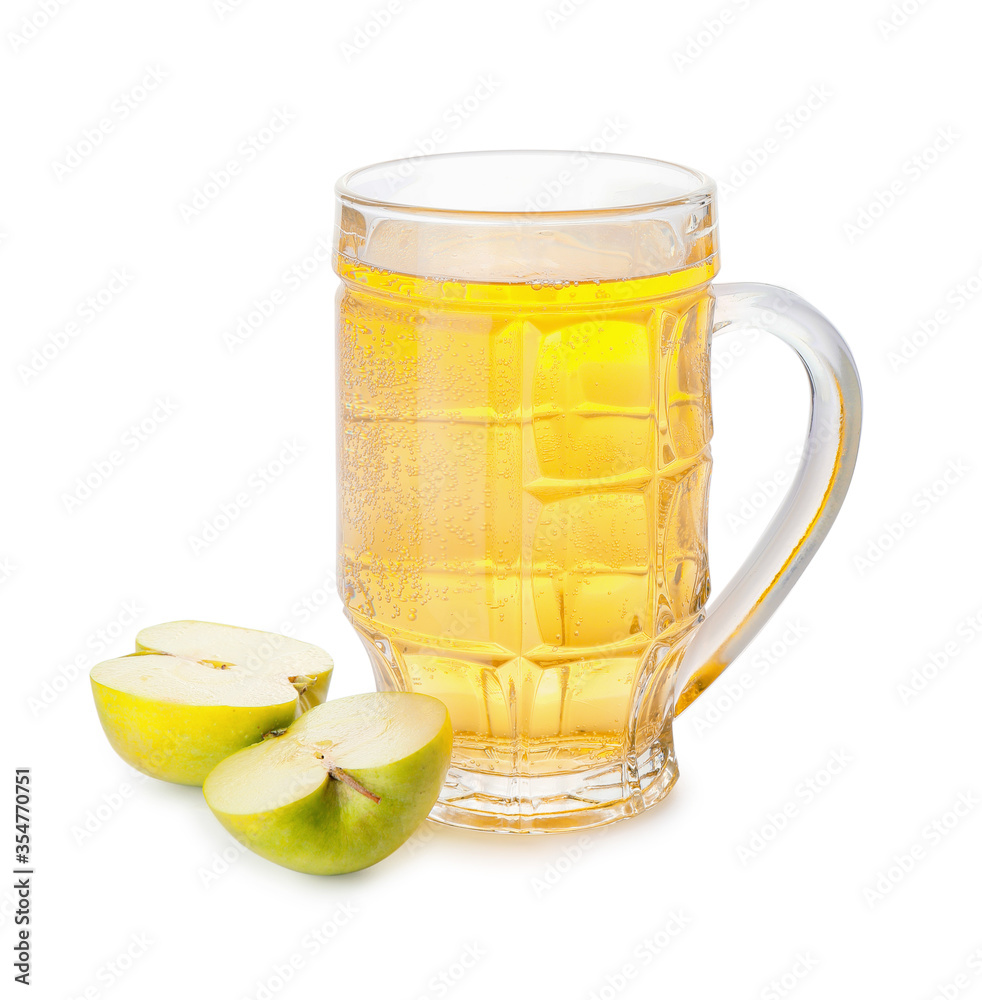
(307, 667)
(195, 692)
(342, 787)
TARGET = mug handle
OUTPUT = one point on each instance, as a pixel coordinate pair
(815, 494)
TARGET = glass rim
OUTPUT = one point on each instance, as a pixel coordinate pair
(702, 188)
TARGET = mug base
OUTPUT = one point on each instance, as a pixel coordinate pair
(556, 803)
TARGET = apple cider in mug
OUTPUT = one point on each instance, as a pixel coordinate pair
(524, 472)
(523, 465)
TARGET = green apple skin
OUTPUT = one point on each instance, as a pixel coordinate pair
(336, 829)
(182, 743)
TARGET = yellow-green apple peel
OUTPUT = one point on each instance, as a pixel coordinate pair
(196, 692)
(342, 787)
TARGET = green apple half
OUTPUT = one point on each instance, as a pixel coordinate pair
(342, 787)
(195, 692)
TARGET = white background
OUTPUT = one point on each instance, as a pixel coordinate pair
(132, 895)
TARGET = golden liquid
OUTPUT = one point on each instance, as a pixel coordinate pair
(523, 497)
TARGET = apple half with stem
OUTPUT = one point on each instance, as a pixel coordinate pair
(342, 787)
(195, 692)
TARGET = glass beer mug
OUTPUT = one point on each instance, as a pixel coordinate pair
(523, 356)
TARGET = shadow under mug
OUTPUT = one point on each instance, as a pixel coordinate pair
(523, 357)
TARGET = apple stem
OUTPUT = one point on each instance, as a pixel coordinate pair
(341, 775)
